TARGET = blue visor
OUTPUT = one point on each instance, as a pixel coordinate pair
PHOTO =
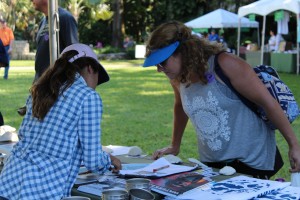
(159, 55)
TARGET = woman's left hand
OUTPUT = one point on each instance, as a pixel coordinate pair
(294, 157)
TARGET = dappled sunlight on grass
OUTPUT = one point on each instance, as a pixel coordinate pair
(146, 93)
(21, 63)
(137, 107)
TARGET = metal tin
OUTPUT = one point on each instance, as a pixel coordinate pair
(138, 183)
(140, 194)
(115, 194)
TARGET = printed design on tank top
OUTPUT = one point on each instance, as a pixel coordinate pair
(209, 120)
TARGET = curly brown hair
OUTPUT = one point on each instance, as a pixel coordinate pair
(194, 51)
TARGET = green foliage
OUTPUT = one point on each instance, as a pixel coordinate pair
(95, 22)
(94, 2)
(76, 7)
(102, 11)
(140, 17)
(64, 3)
(130, 52)
(136, 18)
(176, 10)
(98, 9)
(91, 33)
(6, 7)
(27, 21)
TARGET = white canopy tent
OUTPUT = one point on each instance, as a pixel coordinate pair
(265, 7)
(220, 19)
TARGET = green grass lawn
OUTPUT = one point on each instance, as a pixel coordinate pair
(138, 107)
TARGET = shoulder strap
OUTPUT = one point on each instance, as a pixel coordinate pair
(226, 80)
(211, 64)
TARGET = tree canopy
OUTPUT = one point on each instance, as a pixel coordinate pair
(109, 21)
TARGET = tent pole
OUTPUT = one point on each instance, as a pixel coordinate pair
(258, 37)
(297, 41)
(239, 38)
(263, 41)
(53, 27)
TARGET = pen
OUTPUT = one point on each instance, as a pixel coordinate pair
(160, 168)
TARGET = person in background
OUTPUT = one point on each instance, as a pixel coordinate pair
(68, 35)
(205, 35)
(223, 41)
(128, 42)
(274, 40)
(7, 38)
(228, 132)
(60, 131)
(213, 36)
(99, 45)
(3, 55)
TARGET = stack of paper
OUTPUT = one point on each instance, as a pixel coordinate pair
(158, 168)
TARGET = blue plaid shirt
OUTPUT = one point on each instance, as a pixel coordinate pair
(45, 162)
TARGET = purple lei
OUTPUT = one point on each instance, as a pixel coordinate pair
(46, 37)
(209, 76)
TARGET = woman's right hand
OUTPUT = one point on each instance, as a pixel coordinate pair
(116, 163)
(164, 151)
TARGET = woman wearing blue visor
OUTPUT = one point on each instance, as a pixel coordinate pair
(228, 132)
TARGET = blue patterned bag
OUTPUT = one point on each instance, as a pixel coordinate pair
(275, 86)
(279, 91)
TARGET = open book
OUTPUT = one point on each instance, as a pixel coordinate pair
(158, 168)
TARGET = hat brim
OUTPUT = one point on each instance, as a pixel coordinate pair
(103, 76)
(86, 51)
(160, 55)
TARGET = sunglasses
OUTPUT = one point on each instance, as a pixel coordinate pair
(162, 65)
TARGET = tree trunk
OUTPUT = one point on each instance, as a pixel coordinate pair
(117, 24)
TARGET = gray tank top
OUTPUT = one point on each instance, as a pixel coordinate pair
(227, 129)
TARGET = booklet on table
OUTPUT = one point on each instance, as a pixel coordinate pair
(158, 168)
(178, 183)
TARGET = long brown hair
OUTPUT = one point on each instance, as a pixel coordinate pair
(194, 51)
(55, 80)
